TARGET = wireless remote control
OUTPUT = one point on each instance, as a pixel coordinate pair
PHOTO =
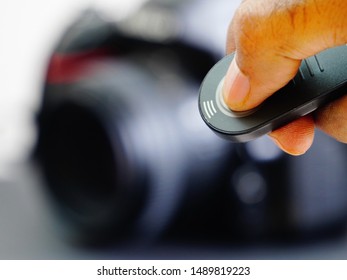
(320, 79)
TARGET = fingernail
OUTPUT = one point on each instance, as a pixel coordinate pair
(236, 87)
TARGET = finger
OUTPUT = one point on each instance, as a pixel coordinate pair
(332, 119)
(230, 44)
(296, 137)
(271, 38)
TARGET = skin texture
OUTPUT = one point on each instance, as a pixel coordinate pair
(270, 38)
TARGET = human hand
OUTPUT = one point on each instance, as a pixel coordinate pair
(270, 38)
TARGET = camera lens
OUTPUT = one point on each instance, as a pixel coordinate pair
(120, 156)
(93, 177)
(88, 174)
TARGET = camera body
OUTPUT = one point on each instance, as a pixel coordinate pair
(125, 155)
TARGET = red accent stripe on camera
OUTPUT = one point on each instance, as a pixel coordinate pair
(71, 67)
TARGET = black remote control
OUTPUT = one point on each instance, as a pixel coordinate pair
(320, 79)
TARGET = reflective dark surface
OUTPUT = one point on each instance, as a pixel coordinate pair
(29, 232)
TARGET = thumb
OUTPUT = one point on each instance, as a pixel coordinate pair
(271, 38)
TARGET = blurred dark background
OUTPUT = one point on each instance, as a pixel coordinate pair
(104, 154)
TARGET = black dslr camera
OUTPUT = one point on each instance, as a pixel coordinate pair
(125, 154)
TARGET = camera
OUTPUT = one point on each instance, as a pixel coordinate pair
(125, 155)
